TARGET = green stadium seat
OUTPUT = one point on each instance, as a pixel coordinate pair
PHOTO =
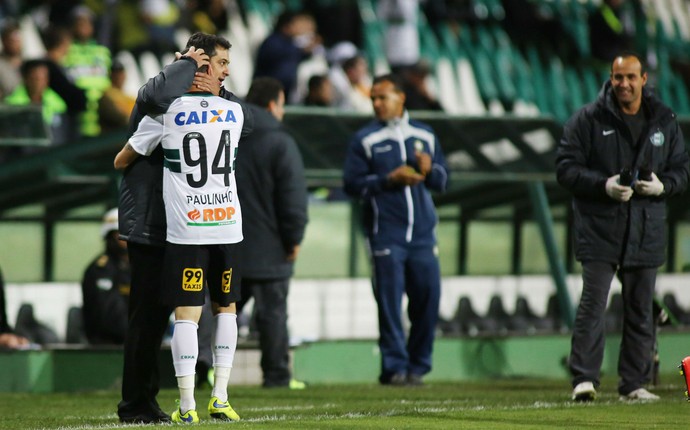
(575, 98)
(538, 79)
(591, 83)
(558, 89)
(681, 103)
(469, 95)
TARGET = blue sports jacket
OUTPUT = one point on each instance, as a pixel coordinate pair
(395, 214)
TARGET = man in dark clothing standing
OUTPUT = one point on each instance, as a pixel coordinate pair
(142, 225)
(621, 157)
(293, 40)
(105, 288)
(273, 191)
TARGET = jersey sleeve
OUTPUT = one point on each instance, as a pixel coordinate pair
(147, 136)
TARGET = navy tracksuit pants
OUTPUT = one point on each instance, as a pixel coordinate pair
(414, 271)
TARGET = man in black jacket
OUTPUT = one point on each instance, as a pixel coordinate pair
(105, 288)
(273, 191)
(142, 225)
(621, 157)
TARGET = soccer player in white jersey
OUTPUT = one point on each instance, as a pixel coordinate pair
(199, 134)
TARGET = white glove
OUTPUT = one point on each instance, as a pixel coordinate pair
(650, 188)
(616, 191)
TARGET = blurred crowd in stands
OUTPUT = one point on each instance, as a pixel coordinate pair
(63, 54)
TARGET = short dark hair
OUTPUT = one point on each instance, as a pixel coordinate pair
(263, 91)
(633, 54)
(352, 61)
(29, 65)
(287, 17)
(8, 28)
(316, 81)
(54, 36)
(396, 80)
(207, 42)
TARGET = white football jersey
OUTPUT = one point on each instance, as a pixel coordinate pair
(199, 134)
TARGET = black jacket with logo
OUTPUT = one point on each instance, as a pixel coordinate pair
(105, 294)
(596, 145)
(141, 207)
(273, 194)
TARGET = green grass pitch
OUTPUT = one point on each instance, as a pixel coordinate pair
(500, 404)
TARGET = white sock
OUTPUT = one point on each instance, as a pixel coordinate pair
(221, 376)
(185, 349)
(224, 346)
(186, 386)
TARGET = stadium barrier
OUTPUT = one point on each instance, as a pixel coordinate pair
(334, 324)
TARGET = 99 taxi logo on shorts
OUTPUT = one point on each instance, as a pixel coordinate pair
(192, 279)
(227, 279)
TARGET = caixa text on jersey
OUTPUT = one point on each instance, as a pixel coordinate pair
(205, 117)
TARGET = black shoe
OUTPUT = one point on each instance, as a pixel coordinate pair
(414, 379)
(397, 379)
(151, 417)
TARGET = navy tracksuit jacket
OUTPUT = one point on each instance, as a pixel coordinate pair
(400, 222)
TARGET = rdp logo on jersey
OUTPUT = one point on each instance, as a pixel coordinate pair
(216, 216)
(205, 117)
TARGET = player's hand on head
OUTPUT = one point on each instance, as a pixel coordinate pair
(205, 82)
(198, 55)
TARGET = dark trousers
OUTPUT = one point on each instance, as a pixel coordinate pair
(270, 313)
(148, 320)
(413, 271)
(637, 343)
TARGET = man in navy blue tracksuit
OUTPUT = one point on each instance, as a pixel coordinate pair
(391, 165)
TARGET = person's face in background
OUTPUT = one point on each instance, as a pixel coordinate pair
(59, 50)
(301, 25)
(358, 72)
(83, 28)
(628, 80)
(325, 92)
(388, 102)
(302, 30)
(12, 43)
(36, 81)
(219, 67)
(118, 78)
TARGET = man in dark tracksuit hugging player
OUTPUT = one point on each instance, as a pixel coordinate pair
(391, 165)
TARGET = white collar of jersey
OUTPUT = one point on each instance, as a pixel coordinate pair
(397, 122)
